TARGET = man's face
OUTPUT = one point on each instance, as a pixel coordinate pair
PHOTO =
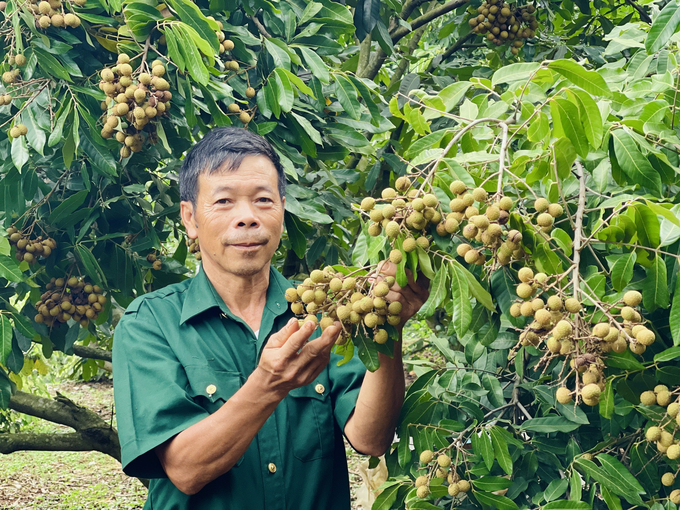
(238, 218)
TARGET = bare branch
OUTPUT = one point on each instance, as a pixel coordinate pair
(72, 442)
(260, 27)
(578, 233)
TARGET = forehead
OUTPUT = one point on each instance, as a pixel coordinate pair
(254, 174)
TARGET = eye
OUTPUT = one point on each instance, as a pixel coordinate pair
(265, 200)
(222, 201)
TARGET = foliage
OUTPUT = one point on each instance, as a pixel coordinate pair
(566, 169)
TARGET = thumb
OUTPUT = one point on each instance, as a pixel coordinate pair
(279, 338)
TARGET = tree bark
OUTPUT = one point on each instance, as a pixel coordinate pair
(450, 51)
(91, 429)
(371, 70)
(92, 352)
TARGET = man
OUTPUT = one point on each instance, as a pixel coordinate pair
(222, 399)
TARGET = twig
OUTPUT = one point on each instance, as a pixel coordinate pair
(501, 159)
(579, 227)
(260, 27)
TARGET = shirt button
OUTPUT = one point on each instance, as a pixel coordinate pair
(272, 467)
(319, 389)
(210, 389)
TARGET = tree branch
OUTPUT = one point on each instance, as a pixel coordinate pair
(364, 54)
(260, 27)
(88, 424)
(92, 352)
(412, 45)
(459, 44)
(72, 442)
(578, 233)
(643, 15)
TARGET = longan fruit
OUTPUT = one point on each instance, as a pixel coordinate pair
(668, 479)
(648, 398)
(563, 329)
(541, 204)
(563, 395)
(525, 274)
(572, 305)
(396, 257)
(524, 290)
(632, 298)
(426, 456)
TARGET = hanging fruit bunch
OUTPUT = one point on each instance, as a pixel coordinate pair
(135, 101)
(194, 247)
(504, 23)
(53, 13)
(69, 298)
(28, 249)
(156, 262)
(440, 467)
(356, 300)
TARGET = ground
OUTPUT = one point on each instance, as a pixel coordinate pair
(95, 481)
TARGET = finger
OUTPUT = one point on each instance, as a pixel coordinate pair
(321, 347)
(279, 338)
(422, 285)
(387, 268)
(297, 340)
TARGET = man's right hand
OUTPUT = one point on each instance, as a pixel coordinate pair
(289, 361)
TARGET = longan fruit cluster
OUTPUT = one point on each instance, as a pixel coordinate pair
(546, 214)
(28, 249)
(134, 102)
(505, 23)
(5, 99)
(52, 13)
(354, 301)
(18, 130)
(194, 248)
(666, 443)
(439, 468)
(10, 77)
(155, 261)
(592, 382)
(72, 298)
(243, 115)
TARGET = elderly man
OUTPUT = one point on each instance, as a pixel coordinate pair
(222, 399)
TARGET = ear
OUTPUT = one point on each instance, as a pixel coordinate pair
(188, 215)
(283, 223)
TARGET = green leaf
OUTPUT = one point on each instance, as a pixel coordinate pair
(424, 263)
(514, 72)
(9, 269)
(567, 505)
(478, 292)
(366, 94)
(616, 484)
(663, 28)
(668, 355)
(437, 292)
(622, 272)
(494, 501)
(674, 318)
(539, 129)
(5, 390)
(100, 157)
(613, 502)
(315, 64)
(453, 93)
(23, 325)
(67, 207)
(655, 286)
(591, 118)
(367, 350)
(549, 424)
(619, 473)
(607, 400)
(647, 224)
(575, 487)
(308, 128)
(91, 265)
(634, 164)
(564, 155)
(641, 456)
(190, 14)
(566, 116)
(486, 448)
(493, 387)
(555, 489)
(347, 96)
(590, 81)
(500, 448)
(387, 497)
(491, 483)
(462, 308)
(191, 55)
(284, 90)
(50, 64)
(296, 237)
(19, 152)
(6, 336)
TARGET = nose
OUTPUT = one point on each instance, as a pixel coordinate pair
(245, 216)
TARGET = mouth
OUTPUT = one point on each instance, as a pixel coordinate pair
(247, 246)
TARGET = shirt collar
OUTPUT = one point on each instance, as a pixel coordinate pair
(202, 296)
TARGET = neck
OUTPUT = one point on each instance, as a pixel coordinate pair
(245, 296)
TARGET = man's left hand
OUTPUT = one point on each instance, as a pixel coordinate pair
(411, 297)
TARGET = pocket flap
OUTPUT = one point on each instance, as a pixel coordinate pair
(316, 390)
(212, 384)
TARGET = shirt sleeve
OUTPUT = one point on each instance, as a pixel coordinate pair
(346, 382)
(152, 404)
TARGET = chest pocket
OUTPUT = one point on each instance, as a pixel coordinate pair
(310, 412)
(211, 388)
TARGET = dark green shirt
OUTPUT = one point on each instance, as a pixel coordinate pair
(179, 354)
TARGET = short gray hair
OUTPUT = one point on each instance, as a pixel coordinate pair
(223, 149)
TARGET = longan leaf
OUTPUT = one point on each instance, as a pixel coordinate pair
(495, 501)
(674, 319)
(6, 335)
(437, 292)
(500, 448)
(367, 350)
(9, 269)
(607, 401)
(460, 299)
(566, 116)
(663, 28)
(622, 272)
(655, 286)
(590, 81)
